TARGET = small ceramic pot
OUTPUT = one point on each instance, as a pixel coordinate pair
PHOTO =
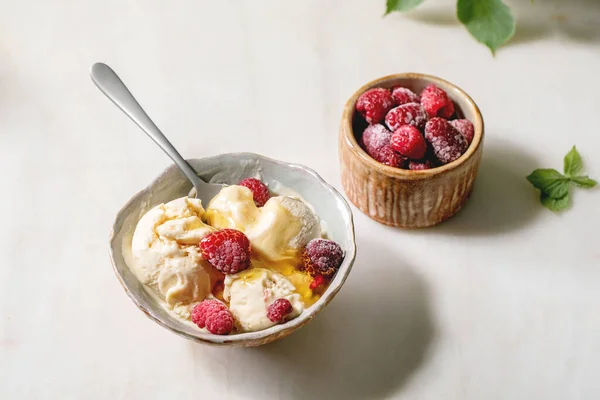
(231, 169)
(405, 198)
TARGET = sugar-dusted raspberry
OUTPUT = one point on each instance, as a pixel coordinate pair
(277, 310)
(220, 323)
(388, 156)
(374, 104)
(228, 250)
(201, 310)
(260, 191)
(433, 99)
(376, 142)
(465, 127)
(375, 136)
(322, 257)
(404, 95)
(214, 316)
(409, 142)
(447, 142)
(420, 165)
(447, 111)
(406, 114)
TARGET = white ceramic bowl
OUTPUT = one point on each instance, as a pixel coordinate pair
(328, 203)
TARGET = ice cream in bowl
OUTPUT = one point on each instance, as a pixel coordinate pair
(251, 265)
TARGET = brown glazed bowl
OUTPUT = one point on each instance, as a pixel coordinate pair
(405, 198)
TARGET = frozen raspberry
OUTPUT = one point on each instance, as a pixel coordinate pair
(406, 114)
(201, 310)
(447, 142)
(375, 136)
(388, 156)
(228, 250)
(214, 316)
(374, 104)
(260, 191)
(277, 311)
(408, 141)
(316, 282)
(220, 323)
(433, 99)
(447, 111)
(376, 142)
(404, 95)
(322, 257)
(420, 165)
(465, 127)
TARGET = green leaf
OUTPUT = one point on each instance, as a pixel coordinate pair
(550, 182)
(573, 162)
(554, 204)
(584, 181)
(489, 21)
(401, 5)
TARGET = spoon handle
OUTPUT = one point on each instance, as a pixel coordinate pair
(111, 85)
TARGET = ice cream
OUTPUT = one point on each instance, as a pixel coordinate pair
(188, 258)
(167, 257)
(250, 293)
(277, 231)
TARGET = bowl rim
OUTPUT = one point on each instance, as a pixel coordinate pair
(274, 331)
(348, 132)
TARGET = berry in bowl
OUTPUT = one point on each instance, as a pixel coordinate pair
(410, 146)
(251, 266)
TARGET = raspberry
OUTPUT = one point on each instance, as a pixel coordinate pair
(322, 257)
(465, 127)
(374, 104)
(260, 191)
(214, 316)
(388, 156)
(447, 110)
(408, 141)
(420, 165)
(201, 310)
(404, 95)
(316, 282)
(277, 311)
(220, 323)
(447, 142)
(375, 136)
(433, 99)
(406, 114)
(228, 250)
(376, 142)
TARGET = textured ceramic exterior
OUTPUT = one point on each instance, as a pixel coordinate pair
(403, 198)
(231, 168)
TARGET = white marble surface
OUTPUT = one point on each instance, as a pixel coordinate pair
(499, 303)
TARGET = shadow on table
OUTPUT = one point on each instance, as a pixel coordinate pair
(577, 20)
(438, 16)
(365, 344)
(502, 200)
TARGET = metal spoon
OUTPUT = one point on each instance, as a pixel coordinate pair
(109, 83)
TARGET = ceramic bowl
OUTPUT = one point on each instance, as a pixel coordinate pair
(404, 198)
(329, 205)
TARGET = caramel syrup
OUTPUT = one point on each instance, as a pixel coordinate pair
(291, 268)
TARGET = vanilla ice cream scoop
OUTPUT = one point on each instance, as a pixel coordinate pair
(278, 230)
(252, 291)
(167, 257)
